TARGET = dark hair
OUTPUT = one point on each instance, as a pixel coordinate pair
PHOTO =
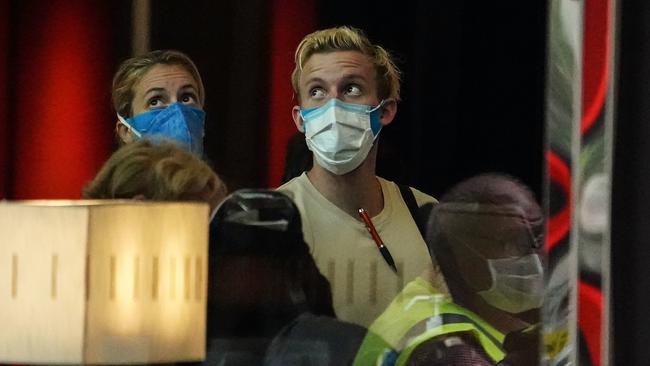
(489, 189)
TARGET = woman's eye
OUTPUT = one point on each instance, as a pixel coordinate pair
(317, 93)
(353, 90)
(154, 102)
(188, 98)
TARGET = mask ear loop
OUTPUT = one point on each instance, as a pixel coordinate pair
(133, 130)
(380, 105)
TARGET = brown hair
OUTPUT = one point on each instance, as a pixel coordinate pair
(157, 171)
(131, 71)
(349, 39)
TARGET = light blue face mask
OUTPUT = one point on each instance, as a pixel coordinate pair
(374, 112)
(341, 134)
(178, 122)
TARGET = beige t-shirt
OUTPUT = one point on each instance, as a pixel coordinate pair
(363, 284)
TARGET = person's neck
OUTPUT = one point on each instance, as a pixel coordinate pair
(499, 319)
(359, 188)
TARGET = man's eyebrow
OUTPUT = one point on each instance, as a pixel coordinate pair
(314, 80)
(353, 77)
(346, 78)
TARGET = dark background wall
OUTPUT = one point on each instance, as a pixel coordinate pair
(472, 93)
(473, 86)
(631, 188)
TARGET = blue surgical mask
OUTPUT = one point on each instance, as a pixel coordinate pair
(178, 122)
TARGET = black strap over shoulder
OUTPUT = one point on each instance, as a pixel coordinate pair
(420, 214)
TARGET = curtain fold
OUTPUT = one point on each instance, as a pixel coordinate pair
(61, 69)
(291, 20)
(4, 97)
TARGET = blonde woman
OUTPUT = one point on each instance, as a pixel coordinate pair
(160, 95)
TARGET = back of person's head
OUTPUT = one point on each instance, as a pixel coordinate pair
(259, 223)
(261, 271)
(133, 69)
(452, 350)
(349, 39)
(482, 223)
(498, 189)
(156, 171)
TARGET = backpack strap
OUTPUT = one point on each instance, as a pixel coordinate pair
(420, 214)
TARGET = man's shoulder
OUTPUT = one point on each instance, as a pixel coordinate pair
(420, 197)
(294, 186)
(291, 183)
(302, 192)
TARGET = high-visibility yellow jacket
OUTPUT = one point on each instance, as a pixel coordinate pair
(420, 313)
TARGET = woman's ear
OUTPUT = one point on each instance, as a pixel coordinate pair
(123, 132)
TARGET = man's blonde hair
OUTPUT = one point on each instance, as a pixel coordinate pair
(156, 171)
(132, 70)
(349, 39)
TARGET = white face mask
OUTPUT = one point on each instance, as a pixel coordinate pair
(517, 284)
(341, 134)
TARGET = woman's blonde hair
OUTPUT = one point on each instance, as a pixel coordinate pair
(349, 39)
(156, 171)
(132, 70)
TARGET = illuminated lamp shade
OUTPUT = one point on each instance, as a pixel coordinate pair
(102, 282)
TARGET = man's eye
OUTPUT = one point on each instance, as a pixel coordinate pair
(317, 93)
(353, 90)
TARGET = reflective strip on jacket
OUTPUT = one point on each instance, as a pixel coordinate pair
(420, 313)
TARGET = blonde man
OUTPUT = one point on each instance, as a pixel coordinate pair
(158, 172)
(348, 89)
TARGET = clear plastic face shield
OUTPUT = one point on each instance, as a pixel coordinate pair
(266, 209)
(264, 226)
(501, 237)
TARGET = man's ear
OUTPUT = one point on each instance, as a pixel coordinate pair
(297, 119)
(388, 111)
(123, 132)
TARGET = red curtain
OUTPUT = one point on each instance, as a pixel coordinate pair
(59, 71)
(595, 82)
(291, 20)
(595, 61)
(4, 113)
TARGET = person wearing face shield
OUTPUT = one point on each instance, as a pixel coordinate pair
(267, 302)
(361, 228)
(160, 96)
(486, 236)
